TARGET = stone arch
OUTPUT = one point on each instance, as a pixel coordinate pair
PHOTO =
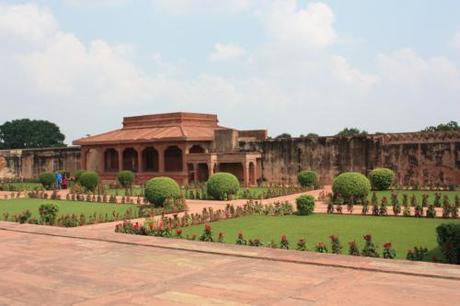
(130, 161)
(150, 160)
(196, 149)
(173, 159)
(111, 160)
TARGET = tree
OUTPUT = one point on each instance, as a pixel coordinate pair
(312, 135)
(283, 136)
(26, 133)
(347, 132)
(449, 126)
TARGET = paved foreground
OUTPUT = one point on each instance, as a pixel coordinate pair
(42, 265)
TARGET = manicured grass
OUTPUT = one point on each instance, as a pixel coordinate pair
(403, 233)
(135, 191)
(16, 206)
(418, 193)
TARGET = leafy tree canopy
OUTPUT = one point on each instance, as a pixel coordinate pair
(283, 136)
(26, 133)
(346, 132)
(449, 126)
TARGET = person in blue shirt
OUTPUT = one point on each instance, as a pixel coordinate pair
(58, 179)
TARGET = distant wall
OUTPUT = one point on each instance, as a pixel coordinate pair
(416, 158)
(30, 163)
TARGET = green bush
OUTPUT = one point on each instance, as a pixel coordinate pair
(48, 213)
(222, 184)
(381, 178)
(78, 174)
(307, 178)
(47, 180)
(305, 205)
(351, 186)
(158, 189)
(89, 180)
(449, 241)
(126, 178)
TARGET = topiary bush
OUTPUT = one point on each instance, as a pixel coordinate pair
(222, 184)
(449, 241)
(47, 180)
(305, 205)
(381, 178)
(351, 186)
(158, 189)
(307, 178)
(78, 174)
(89, 180)
(126, 178)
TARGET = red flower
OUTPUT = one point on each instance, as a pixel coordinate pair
(178, 232)
(207, 227)
(283, 238)
(367, 237)
(387, 245)
(333, 238)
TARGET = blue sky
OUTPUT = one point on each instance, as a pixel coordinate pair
(288, 66)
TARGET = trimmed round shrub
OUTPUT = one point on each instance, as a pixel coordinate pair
(221, 185)
(305, 205)
(47, 180)
(381, 178)
(307, 178)
(351, 186)
(158, 189)
(89, 180)
(126, 178)
(78, 174)
(48, 213)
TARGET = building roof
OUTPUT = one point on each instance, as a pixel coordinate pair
(159, 127)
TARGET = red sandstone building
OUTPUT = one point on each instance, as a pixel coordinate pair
(187, 147)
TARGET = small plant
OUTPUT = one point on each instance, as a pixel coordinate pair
(425, 198)
(418, 211)
(388, 251)
(47, 180)
(449, 241)
(220, 237)
(284, 243)
(179, 233)
(321, 247)
(365, 206)
(305, 205)
(353, 248)
(307, 178)
(369, 250)
(336, 247)
(431, 212)
(240, 240)
(48, 213)
(207, 234)
(255, 242)
(24, 216)
(446, 209)
(383, 207)
(301, 245)
(416, 254)
(437, 199)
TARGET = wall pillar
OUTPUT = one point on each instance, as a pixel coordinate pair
(210, 169)
(120, 158)
(139, 158)
(195, 172)
(84, 152)
(161, 158)
(245, 174)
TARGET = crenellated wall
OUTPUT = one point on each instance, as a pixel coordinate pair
(30, 163)
(416, 158)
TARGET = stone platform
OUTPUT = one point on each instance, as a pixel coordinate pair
(85, 266)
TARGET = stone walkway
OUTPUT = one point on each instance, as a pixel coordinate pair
(61, 266)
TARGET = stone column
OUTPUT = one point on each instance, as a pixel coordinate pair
(245, 174)
(139, 159)
(195, 172)
(84, 152)
(161, 158)
(210, 169)
(120, 158)
(184, 159)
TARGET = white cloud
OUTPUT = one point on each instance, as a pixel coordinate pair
(95, 3)
(203, 6)
(352, 76)
(223, 52)
(311, 26)
(455, 42)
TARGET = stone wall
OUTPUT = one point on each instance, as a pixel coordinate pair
(29, 163)
(416, 158)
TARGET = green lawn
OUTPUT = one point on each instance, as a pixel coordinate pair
(16, 206)
(404, 233)
(20, 186)
(418, 194)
